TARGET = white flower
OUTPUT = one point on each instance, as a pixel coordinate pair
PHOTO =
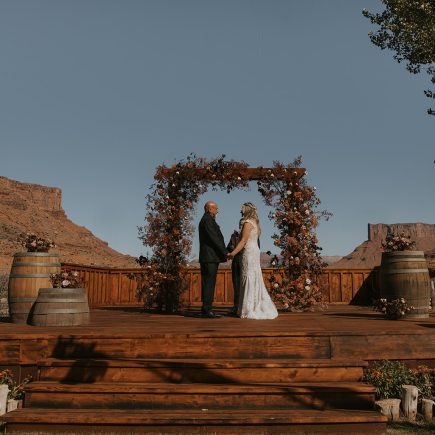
(273, 263)
(308, 281)
(307, 212)
(65, 283)
(402, 300)
(276, 285)
(289, 192)
(306, 172)
(177, 173)
(239, 178)
(307, 287)
(402, 313)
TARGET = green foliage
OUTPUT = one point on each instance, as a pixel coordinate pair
(424, 380)
(407, 27)
(389, 376)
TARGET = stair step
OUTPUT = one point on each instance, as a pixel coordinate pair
(193, 345)
(201, 370)
(196, 421)
(320, 395)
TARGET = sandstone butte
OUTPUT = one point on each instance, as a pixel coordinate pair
(369, 253)
(26, 207)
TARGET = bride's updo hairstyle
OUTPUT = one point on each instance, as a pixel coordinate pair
(249, 211)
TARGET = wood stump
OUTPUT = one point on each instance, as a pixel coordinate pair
(4, 390)
(409, 401)
(389, 408)
(427, 409)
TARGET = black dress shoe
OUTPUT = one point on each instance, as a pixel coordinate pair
(233, 312)
(211, 315)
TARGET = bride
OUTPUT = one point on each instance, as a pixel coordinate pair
(255, 302)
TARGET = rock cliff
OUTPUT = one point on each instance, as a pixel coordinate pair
(368, 254)
(26, 207)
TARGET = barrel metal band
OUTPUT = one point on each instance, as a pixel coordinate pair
(61, 311)
(56, 300)
(390, 272)
(12, 300)
(405, 260)
(30, 275)
(36, 264)
(35, 254)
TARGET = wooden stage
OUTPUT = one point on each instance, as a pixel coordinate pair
(149, 373)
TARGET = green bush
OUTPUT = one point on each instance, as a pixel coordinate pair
(389, 376)
(424, 380)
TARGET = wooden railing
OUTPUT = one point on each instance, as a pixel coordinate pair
(113, 287)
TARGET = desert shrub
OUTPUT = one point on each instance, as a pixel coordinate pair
(389, 376)
(424, 380)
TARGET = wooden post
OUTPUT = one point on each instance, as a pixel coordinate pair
(409, 401)
(427, 409)
(390, 408)
(4, 390)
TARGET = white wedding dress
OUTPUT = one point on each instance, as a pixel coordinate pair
(255, 302)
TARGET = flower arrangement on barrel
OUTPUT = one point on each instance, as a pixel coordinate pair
(397, 242)
(67, 279)
(35, 243)
(168, 229)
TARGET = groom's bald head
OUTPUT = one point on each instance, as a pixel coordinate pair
(211, 207)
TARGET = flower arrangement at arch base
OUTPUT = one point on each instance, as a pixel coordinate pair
(169, 231)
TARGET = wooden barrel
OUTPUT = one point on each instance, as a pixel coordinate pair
(60, 307)
(29, 272)
(404, 274)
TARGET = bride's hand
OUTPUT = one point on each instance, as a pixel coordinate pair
(230, 255)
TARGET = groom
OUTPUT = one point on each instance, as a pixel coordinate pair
(212, 251)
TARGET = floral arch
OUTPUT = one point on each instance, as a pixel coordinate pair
(168, 228)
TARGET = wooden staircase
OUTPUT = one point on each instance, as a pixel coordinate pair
(201, 384)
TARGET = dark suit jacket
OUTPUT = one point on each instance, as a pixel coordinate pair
(211, 241)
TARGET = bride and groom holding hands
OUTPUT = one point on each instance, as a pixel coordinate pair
(251, 299)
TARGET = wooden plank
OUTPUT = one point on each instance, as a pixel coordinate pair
(346, 287)
(107, 287)
(335, 287)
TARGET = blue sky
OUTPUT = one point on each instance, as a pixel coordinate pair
(94, 94)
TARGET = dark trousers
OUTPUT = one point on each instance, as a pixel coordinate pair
(235, 275)
(208, 283)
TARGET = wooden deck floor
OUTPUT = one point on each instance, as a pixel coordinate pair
(146, 372)
(345, 331)
(114, 321)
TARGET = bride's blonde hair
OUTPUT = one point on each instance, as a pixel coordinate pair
(249, 211)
